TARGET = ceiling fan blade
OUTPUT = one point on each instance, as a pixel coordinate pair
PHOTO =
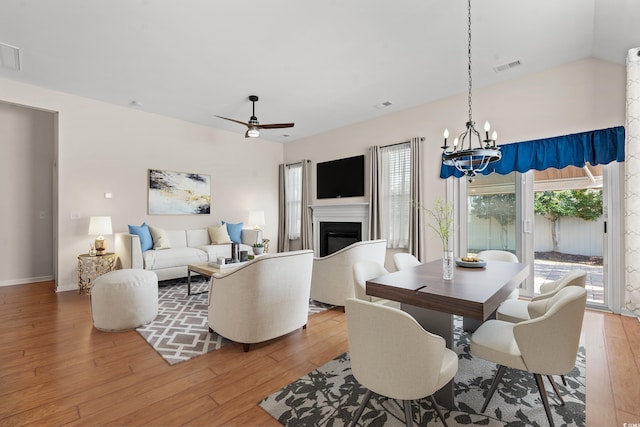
(253, 126)
(236, 121)
(276, 126)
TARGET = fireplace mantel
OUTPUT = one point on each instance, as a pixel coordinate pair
(352, 212)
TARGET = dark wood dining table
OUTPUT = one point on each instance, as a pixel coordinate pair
(473, 293)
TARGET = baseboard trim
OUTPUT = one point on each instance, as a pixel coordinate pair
(27, 280)
(67, 287)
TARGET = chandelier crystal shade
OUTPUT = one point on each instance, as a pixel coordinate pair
(469, 153)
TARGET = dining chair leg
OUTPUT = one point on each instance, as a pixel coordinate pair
(564, 380)
(545, 401)
(556, 389)
(408, 418)
(360, 410)
(435, 405)
(494, 385)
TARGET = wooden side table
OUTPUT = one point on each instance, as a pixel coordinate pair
(90, 267)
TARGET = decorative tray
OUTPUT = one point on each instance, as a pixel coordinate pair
(229, 265)
(477, 264)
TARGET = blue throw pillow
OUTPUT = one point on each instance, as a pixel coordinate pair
(145, 236)
(235, 232)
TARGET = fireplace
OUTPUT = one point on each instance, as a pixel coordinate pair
(347, 224)
(337, 235)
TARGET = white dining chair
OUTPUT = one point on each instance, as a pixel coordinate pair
(332, 279)
(404, 260)
(498, 255)
(546, 345)
(516, 310)
(412, 364)
(363, 271)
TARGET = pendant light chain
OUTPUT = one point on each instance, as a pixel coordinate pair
(469, 56)
(463, 155)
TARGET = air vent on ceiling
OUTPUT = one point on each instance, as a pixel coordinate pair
(384, 104)
(9, 57)
(507, 66)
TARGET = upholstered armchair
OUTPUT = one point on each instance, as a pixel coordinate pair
(262, 300)
(332, 280)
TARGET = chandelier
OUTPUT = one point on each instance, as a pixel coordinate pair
(462, 154)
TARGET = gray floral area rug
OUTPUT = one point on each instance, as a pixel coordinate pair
(181, 329)
(330, 395)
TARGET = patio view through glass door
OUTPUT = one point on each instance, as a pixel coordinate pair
(569, 226)
(550, 218)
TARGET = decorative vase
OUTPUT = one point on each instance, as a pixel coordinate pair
(235, 252)
(447, 265)
(258, 250)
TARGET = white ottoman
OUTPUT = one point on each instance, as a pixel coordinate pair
(124, 299)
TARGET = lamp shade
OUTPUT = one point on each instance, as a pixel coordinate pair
(100, 225)
(256, 218)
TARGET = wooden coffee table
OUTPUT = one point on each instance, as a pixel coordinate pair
(208, 271)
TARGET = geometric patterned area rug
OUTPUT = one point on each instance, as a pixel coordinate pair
(330, 395)
(181, 329)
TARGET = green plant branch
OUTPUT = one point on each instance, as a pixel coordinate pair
(441, 220)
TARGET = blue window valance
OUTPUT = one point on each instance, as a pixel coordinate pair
(596, 147)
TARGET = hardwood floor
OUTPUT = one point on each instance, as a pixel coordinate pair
(57, 370)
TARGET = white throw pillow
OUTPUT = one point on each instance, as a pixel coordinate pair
(160, 238)
(219, 235)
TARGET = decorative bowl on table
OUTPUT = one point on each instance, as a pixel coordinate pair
(471, 262)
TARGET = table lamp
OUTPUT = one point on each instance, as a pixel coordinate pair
(256, 218)
(99, 226)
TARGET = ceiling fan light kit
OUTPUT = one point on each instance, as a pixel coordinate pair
(463, 155)
(253, 126)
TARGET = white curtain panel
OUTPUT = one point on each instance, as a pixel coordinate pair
(632, 184)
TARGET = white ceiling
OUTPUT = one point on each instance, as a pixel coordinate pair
(322, 64)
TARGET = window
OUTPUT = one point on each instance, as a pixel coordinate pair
(293, 191)
(395, 194)
(491, 213)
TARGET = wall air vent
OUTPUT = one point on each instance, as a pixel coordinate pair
(9, 57)
(507, 66)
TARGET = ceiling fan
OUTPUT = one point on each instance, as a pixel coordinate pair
(253, 126)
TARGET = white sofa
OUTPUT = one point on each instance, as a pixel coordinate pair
(187, 247)
(262, 300)
(333, 281)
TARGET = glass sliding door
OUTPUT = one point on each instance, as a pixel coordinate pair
(570, 227)
(553, 220)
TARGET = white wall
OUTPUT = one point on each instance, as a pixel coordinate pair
(580, 96)
(26, 217)
(110, 148)
(106, 148)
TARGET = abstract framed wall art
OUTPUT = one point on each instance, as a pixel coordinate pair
(179, 193)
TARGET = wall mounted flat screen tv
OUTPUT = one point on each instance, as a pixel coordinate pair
(340, 178)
